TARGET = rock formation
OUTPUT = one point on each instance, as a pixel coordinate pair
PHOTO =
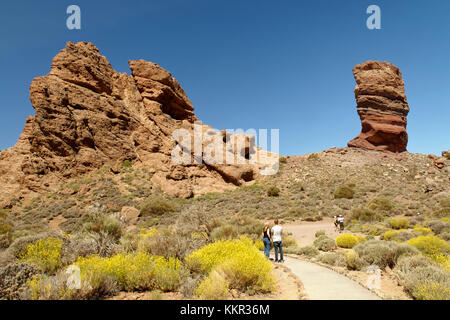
(89, 116)
(382, 107)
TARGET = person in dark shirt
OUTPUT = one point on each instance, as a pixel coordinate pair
(266, 240)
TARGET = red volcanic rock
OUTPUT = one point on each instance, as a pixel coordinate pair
(382, 107)
(88, 116)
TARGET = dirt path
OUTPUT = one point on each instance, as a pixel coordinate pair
(304, 231)
(321, 283)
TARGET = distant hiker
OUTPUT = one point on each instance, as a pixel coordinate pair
(277, 231)
(266, 239)
(336, 222)
(340, 221)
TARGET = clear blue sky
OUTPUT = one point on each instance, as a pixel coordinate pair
(248, 63)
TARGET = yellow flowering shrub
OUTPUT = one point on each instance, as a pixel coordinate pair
(289, 242)
(37, 289)
(352, 259)
(214, 287)
(375, 230)
(149, 233)
(347, 240)
(433, 247)
(422, 231)
(45, 253)
(138, 271)
(361, 239)
(390, 235)
(445, 219)
(399, 223)
(199, 236)
(259, 245)
(239, 260)
(432, 290)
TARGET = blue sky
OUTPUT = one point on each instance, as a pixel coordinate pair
(248, 63)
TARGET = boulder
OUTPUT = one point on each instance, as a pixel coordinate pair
(130, 214)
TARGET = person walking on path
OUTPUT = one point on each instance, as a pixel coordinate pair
(266, 240)
(277, 232)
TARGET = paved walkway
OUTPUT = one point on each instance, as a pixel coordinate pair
(324, 284)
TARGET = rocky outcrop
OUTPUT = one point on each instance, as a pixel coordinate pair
(89, 116)
(382, 107)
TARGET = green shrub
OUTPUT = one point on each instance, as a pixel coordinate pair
(376, 230)
(333, 258)
(404, 236)
(295, 213)
(347, 240)
(241, 225)
(111, 225)
(157, 206)
(445, 235)
(381, 205)
(13, 279)
(383, 253)
(427, 283)
(127, 164)
(445, 202)
(103, 223)
(399, 223)
(437, 226)
(406, 264)
(45, 253)
(273, 191)
(224, 232)
(345, 191)
(309, 251)
(365, 215)
(6, 229)
(320, 233)
(324, 243)
(42, 287)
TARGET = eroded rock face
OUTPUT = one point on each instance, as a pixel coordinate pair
(88, 116)
(382, 107)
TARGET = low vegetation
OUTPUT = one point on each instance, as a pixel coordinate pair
(347, 241)
(238, 262)
(194, 246)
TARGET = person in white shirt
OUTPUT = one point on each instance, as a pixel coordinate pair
(277, 232)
